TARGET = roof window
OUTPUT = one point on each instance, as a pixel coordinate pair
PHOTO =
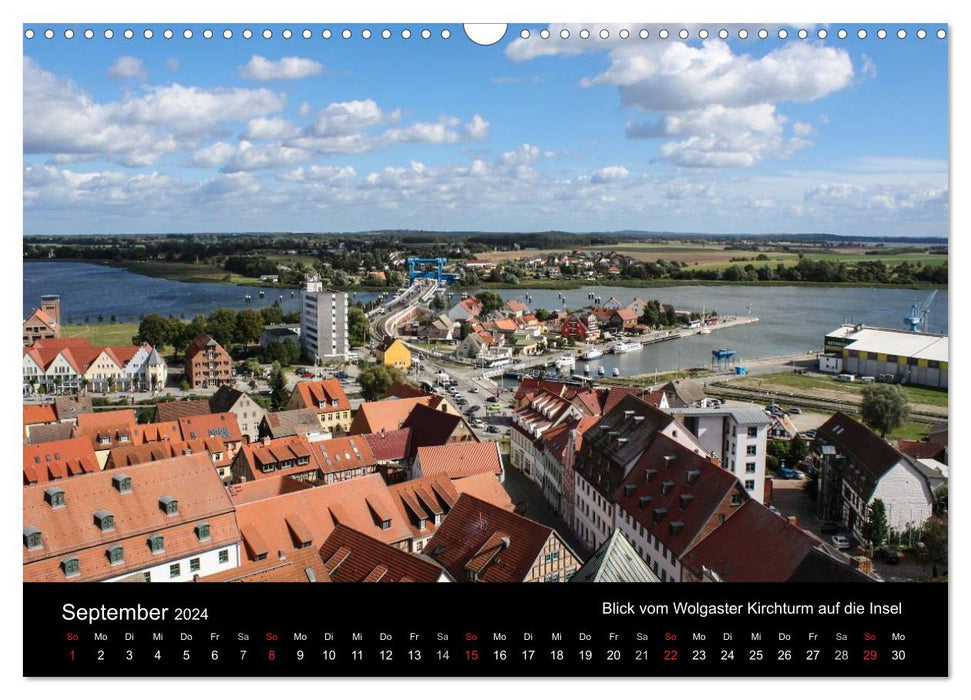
(104, 520)
(122, 483)
(169, 505)
(55, 496)
(32, 538)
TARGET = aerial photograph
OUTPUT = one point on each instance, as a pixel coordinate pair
(589, 304)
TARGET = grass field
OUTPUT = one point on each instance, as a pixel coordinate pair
(102, 333)
(911, 431)
(714, 256)
(916, 394)
(187, 272)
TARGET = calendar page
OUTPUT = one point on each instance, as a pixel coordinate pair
(617, 350)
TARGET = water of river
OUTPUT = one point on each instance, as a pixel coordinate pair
(90, 290)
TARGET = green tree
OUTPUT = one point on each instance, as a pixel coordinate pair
(153, 330)
(357, 326)
(798, 449)
(490, 302)
(935, 540)
(290, 352)
(272, 314)
(278, 388)
(221, 325)
(376, 379)
(875, 528)
(885, 407)
(253, 367)
(249, 326)
(438, 302)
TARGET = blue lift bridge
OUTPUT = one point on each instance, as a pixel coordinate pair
(417, 269)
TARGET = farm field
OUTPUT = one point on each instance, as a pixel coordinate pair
(916, 394)
(102, 333)
(715, 257)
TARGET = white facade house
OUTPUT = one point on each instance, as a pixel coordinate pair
(186, 568)
(736, 437)
(323, 322)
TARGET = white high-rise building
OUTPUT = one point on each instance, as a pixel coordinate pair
(323, 321)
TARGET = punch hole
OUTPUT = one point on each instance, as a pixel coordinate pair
(148, 34)
(168, 34)
(644, 34)
(663, 34)
(267, 34)
(841, 34)
(68, 33)
(366, 34)
(624, 33)
(426, 34)
(881, 34)
(822, 34)
(722, 33)
(803, 33)
(743, 33)
(702, 33)
(29, 34)
(287, 34)
(487, 34)
(306, 34)
(89, 34)
(604, 34)
(763, 34)
(247, 33)
(683, 34)
(49, 34)
(783, 33)
(129, 34)
(941, 34)
(446, 33)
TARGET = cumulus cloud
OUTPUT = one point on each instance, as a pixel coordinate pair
(720, 104)
(128, 67)
(60, 118)
(270, 128)
(477, 129)
(610, 173)
(287, 68)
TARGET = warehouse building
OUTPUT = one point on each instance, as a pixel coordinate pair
(887, 355)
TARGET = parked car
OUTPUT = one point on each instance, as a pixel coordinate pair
(810, 434)
(473, 409)
(890, 555)
(342, 375)
(492, 399)
(477, 423)
(492, 429)
(474, 389)
(795, 410)
(787, 473)
(461, 402)
(840, 541)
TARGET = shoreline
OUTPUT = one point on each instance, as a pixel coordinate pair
(561, 285)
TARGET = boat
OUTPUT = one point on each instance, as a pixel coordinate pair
(705, 331)
(586, 370)
(247, 297)
(262, 294)
(615, 372)
(600, 371)
(591, 353)
(565, 362)
(626, 346)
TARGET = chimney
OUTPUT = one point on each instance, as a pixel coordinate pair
(281, 555)
(266, 440)
(793, 520)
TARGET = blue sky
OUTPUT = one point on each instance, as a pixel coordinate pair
(843, 136)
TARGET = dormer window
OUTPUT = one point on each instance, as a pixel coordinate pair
(386, 524)
(685, 499)
(55, 497)
(71, 566)
(104, 520)
(169, 505)
(202, 532)
(643, 502)
(116, 555)
(675, 528)
(691, 475)
(421, 523)
(104, 440)
(649, 475)
(156, 543)
(659, 514)
(438, 518)
(736, 499)
(32, 538)
(666, 487)
(122, 483)
(629, 489)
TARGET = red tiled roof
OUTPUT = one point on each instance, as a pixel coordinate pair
(472, 536)
(486, 488)
(403, 390)
(39, 413)
(419, 500)
(58, 460)
(169, 431)
(312, 394)
(117, 427)
(386, 415)
(754, 545)
(352, 557)
(275, 485)
(390, 445)
(352, 503)
(88, 421)
(173, 410)
(683, 488)
(72, 531)
(263, 459)
(292, 566)
(130, 455)
(199, 344)
(433, 427)
(221, 425)
(923, 450)
(341, 454)
(460, 459)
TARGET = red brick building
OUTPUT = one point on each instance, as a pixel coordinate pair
(584, 328)
(207, 364)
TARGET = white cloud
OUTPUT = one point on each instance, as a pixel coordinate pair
(477, 129)
(802, 129)
(610, 173)
(128, 67)
(304, 110)
(212, 156)
(270, 128)
(287, 68)
(61, 119)
(869, 68)
(321, 173)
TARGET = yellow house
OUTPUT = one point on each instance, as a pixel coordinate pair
(393, 353)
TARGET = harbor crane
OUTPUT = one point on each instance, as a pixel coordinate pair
(917, 320)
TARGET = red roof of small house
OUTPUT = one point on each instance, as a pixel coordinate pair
(130, 455)
(350, 556)
(167, 411)
(202, 341)
(386, 415)
(324, 396)
(341, 454)
(491, 542)
(431, 427)
(39, 413)
(277, 485)
(754, 545)
(923, 450)
(626, 314)
(460, 459)
(394, 445)
(403, 390)
(220, 425)
(50, 461)
(169, 431)
(486, 488)
(265, 459)
(107, 429)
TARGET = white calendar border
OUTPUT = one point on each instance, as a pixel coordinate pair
(759, 11)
